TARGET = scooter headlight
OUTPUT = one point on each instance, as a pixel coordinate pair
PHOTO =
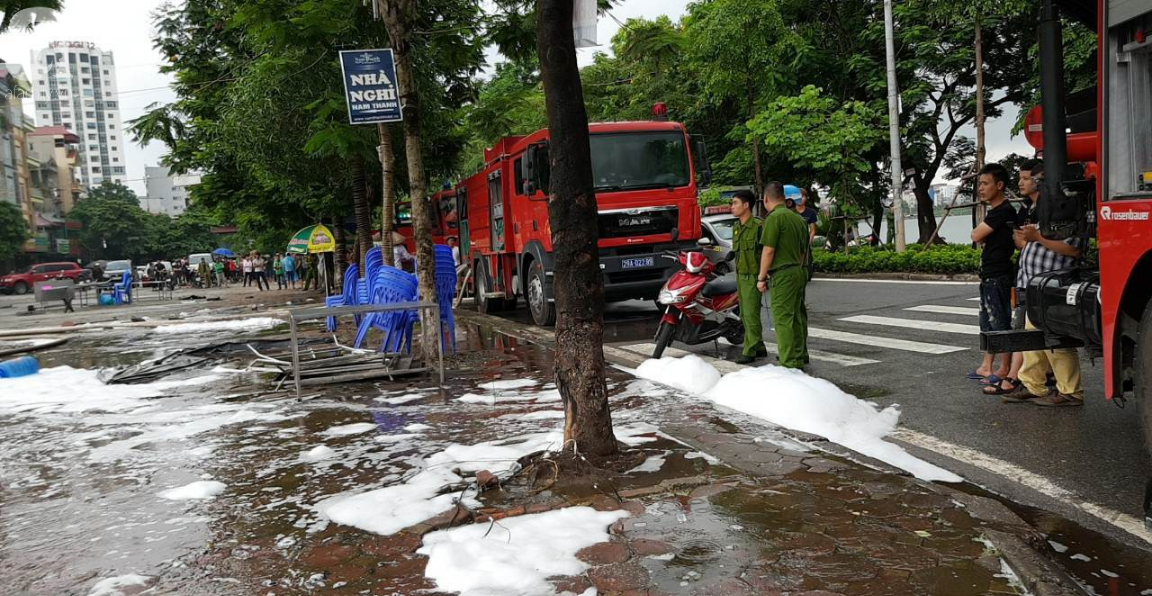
(668, 296)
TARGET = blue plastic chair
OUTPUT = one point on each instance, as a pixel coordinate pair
(122, 292)
(391, 286)
(347, 297)
(446, 280)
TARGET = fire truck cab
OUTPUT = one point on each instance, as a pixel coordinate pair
(1097, 150)
(645, 176)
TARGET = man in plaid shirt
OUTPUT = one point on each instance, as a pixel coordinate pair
(1041, 255)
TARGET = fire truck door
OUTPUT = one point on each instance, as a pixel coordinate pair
(496, 211)
(462, 217)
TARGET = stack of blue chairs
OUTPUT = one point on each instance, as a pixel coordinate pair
(347, 297)
(391, 286)
(446, 294)
(122, 292)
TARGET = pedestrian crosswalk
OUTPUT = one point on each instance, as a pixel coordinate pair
(945, 310)
(869, 339)
(915, 324)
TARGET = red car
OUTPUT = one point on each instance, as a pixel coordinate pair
(21, 283)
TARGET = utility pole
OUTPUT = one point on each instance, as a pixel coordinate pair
(894, 129)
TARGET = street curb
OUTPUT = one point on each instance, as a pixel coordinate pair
(1039, 574)
(964, 277)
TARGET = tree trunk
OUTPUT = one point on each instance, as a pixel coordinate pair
(980, 116)
(757, 167)
(363, 212)
(388, 212)
(579, 285)
(341, 254)
(397, 14)
(925, 213)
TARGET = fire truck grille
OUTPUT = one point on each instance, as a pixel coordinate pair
(634, 223)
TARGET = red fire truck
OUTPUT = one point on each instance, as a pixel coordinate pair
(1097, 148)
(645, 176)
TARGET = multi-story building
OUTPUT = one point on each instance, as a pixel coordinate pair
(942, 194)
(167, 193)
(16, 176)
(55, 151)
(74, 85)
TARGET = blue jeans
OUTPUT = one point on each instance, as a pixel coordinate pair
(996, 303)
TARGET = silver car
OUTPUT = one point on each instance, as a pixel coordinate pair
(717, 230)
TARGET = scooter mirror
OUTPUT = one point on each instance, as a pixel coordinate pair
(704, 242)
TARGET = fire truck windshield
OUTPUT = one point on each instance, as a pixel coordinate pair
(639, 160)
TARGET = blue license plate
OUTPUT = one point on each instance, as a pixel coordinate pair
(637, 263)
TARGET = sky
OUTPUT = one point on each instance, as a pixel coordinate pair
(125, 27)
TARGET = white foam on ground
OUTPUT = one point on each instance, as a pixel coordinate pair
(349, 429)
(392, 508)
(64, 389)
(508, 384)
(517, 556)
(652, 464)
(201, 489)
(794, 400)
(402, 399)
(239, 325)
(498, 457)
(318, 453)
(205, 419)
(111, 586)
(396, 438)
(690, 373)
(416, 428)
(538, 415)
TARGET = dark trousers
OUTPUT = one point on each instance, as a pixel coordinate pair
(996, 303)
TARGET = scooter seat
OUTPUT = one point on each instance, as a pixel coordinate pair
(720, 286)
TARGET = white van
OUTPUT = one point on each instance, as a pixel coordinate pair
(194, 260)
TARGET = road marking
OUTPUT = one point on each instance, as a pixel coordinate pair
(645, 350)
(946, 310)
(976, 299)
(883, 342)
(897, 281)
(1125, 522)
(915, 324)
(818, 355)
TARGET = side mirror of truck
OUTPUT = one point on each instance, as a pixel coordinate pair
(535, 169)
(700, 152)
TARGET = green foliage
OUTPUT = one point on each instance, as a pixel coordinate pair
(822, 137)
(941, 259)
(115, 227)
(13, 231)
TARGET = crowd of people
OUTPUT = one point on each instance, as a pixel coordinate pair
(1048, 378)
(257, 270)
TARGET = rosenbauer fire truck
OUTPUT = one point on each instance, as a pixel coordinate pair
(1097, 149)
(645, 177)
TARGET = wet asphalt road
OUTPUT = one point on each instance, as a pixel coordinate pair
(1073, 461)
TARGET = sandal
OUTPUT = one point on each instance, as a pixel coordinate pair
(975, 376)
(991, 380)
(997, 389)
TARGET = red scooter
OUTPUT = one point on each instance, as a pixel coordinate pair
(698, 306)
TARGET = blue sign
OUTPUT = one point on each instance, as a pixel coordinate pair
(370, 86)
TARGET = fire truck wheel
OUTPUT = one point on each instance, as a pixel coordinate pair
(543, 310)
(483, 286)
(1144, 374)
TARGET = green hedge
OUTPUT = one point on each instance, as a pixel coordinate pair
(946, 259)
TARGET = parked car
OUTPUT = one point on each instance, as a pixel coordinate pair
(22, 283)
(717, 229)
(114, 270)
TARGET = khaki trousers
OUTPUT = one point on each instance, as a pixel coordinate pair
(1064, 364)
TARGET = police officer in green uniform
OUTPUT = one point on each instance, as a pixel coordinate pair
(782, 266)
(746, 245)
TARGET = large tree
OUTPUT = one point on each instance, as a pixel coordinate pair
(579, 284)
(13, 231)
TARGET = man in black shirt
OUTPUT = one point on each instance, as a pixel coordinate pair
(997, 273)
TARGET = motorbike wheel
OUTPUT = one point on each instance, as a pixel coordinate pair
(663, 338)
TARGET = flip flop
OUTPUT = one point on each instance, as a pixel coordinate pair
(997, 389)
(991, 380)
(975, 376)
